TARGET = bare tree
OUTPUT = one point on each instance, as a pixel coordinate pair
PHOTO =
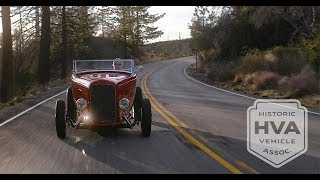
(7, 56)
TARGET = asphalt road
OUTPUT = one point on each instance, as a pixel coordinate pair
(195, 129)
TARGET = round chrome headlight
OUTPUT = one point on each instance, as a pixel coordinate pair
(124, 103)
(81, 104)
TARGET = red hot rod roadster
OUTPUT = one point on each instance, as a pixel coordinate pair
(103, 93)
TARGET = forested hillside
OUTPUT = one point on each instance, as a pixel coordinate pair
(39, 43)
(271, 51)
(167, 49)
(108, 48)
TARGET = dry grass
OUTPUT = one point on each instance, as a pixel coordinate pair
(246, 83)
(34, 90)
(265, 80)
(311, 101)
(300, 84)
(260, 80)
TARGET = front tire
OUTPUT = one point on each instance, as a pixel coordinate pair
(60, 119)
(138, 100)
(71, 106)
(146, 118)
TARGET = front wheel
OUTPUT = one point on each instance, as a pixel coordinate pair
(71, 106)
(61, 119)
(138, 100)
(146, 118)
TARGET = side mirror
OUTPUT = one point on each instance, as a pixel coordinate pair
(140, 68)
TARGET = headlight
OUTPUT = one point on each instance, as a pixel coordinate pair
(124, 103)
(81, 104)
(86, 117)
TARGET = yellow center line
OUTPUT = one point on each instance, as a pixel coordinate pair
(162, 108)
(244, 165)
(193, 140)
(181, 123)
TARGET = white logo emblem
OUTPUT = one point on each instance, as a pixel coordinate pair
(277, 130)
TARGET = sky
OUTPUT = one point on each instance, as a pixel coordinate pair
(175, 21)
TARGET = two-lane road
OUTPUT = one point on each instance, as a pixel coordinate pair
(218, 119)
(195, 129)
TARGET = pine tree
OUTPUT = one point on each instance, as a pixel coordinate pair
(71, 27)
(125, 24)
(135, 26)
(144, 29)
(105, 19)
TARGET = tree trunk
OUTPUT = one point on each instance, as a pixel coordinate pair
(102, 23)
(43, 68)
(137, 33)
(37, 26)
(125, 45)
(125, 31)
(7, 56)
(64, 59)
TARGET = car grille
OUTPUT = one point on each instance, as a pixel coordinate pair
(103, 103)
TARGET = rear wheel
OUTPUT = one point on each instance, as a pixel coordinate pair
(60, 119)
(146, 118)
(71, 106)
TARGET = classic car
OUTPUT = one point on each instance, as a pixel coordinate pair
(103, 93)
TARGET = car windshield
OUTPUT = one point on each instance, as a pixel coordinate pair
(121, 65)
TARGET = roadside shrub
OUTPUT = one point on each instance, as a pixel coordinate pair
(24, 81)
(208, 56)
(281, 60)
(312, 49)
(239, 78)
(252, 63)
(2, 105)
(142, 52)
(265, 80)
(222, 71)
(211, 54)
(249, 51)
(300, 84)
(289, 60)
(246, 79)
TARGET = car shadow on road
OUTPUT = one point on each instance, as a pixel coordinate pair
(125, 150)
(129, 152)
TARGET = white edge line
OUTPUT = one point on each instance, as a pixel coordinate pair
(214, 86)
(226, 90)
(23, 112)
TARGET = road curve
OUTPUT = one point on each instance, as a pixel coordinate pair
(218, 119)
(195, 129)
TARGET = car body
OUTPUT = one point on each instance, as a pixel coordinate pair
(103, 93)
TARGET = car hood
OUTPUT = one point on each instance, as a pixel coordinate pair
(112, 77)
